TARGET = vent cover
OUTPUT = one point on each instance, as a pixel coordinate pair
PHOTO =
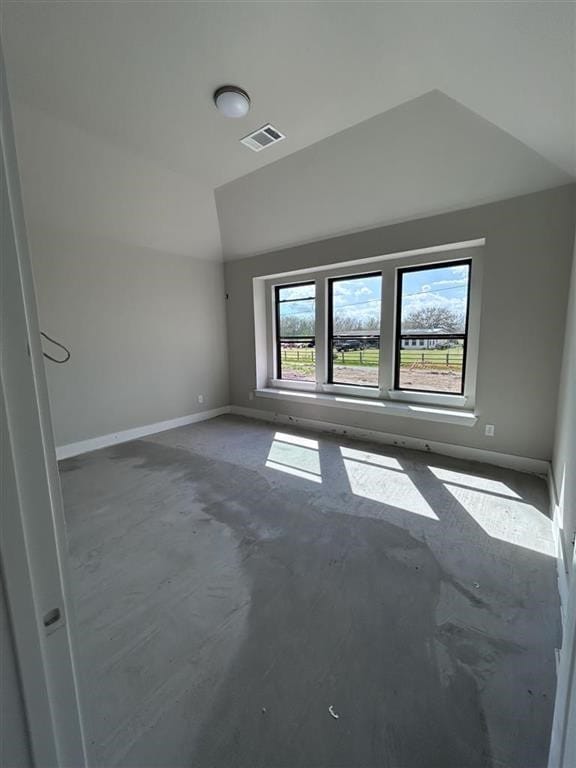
(262, 138)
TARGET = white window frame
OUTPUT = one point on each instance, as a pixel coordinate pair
(388, 266)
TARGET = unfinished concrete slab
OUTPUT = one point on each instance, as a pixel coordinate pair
(255, 596)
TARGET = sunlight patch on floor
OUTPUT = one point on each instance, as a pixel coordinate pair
(296, 456)
(305, 442)
(387, 486)
(473, 481)
(509, 520)
(371, 458)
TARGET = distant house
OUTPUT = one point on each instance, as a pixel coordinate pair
(371, 337)
(420, 343)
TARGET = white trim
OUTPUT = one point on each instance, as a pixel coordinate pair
(382, 407)
(507, 460)
(562, 564)
(433, 398)
(369, 260)
(264, 288)
(33, 546)
(355, 390)
(94, 443)
(562, 740)
(302, 386)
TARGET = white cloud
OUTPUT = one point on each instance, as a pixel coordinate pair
(298, 292)
(425, 288)
(430, 299)
(454, 282)
(363, 291)
(341, 289)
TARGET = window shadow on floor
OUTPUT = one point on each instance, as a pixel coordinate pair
(414, 594)
(288, 573)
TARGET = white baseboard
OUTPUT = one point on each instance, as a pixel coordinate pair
(94, 443)
(562, 565)
(510, 461)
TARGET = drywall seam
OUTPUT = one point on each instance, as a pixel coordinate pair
(94, 443)
(510, 461)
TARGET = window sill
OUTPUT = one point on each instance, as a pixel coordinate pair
(384, 407)
(434, 399)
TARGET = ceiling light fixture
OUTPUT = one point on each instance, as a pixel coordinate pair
(232, 101)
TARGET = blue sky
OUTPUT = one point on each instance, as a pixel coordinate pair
(360, 297)
(437, 287)
(300, 308)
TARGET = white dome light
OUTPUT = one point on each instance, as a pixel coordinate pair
(232, 101)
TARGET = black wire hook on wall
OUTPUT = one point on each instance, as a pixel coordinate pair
(57, 343)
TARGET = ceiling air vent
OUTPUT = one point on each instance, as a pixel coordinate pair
(262, 138)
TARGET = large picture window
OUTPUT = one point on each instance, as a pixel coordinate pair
(432, 328)
(405, 330)
(354, 316)
(295, 332)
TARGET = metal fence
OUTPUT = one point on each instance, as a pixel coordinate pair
(434, 358)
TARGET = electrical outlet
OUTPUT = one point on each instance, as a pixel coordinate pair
(250, 395)
(489, 430)
(200, 398)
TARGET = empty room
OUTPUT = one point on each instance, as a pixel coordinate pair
(288, 382)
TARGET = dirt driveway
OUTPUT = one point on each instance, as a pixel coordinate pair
(443, 381)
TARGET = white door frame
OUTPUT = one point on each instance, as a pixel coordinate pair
(33, 552)
(563, 740)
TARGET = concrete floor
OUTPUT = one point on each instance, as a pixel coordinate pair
(235, 580)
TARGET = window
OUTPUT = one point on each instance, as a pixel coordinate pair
(354, 329)
(295, 332)
(403, 329)
(432, 313)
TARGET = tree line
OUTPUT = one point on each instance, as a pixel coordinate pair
(442, 319)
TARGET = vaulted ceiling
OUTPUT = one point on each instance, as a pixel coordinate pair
(117, 96)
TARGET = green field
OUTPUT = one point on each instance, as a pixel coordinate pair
(304, 359)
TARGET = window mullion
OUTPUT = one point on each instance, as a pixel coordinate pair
(321, 344)
(276, 335)
(271, 330)
(387, 308)
(391, 277)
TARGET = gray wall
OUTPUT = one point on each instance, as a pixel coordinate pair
(528, 251)
(564, 462)
(14, 749)
(125, 275)
(146, 330)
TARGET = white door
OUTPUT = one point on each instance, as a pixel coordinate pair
(32, 537)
